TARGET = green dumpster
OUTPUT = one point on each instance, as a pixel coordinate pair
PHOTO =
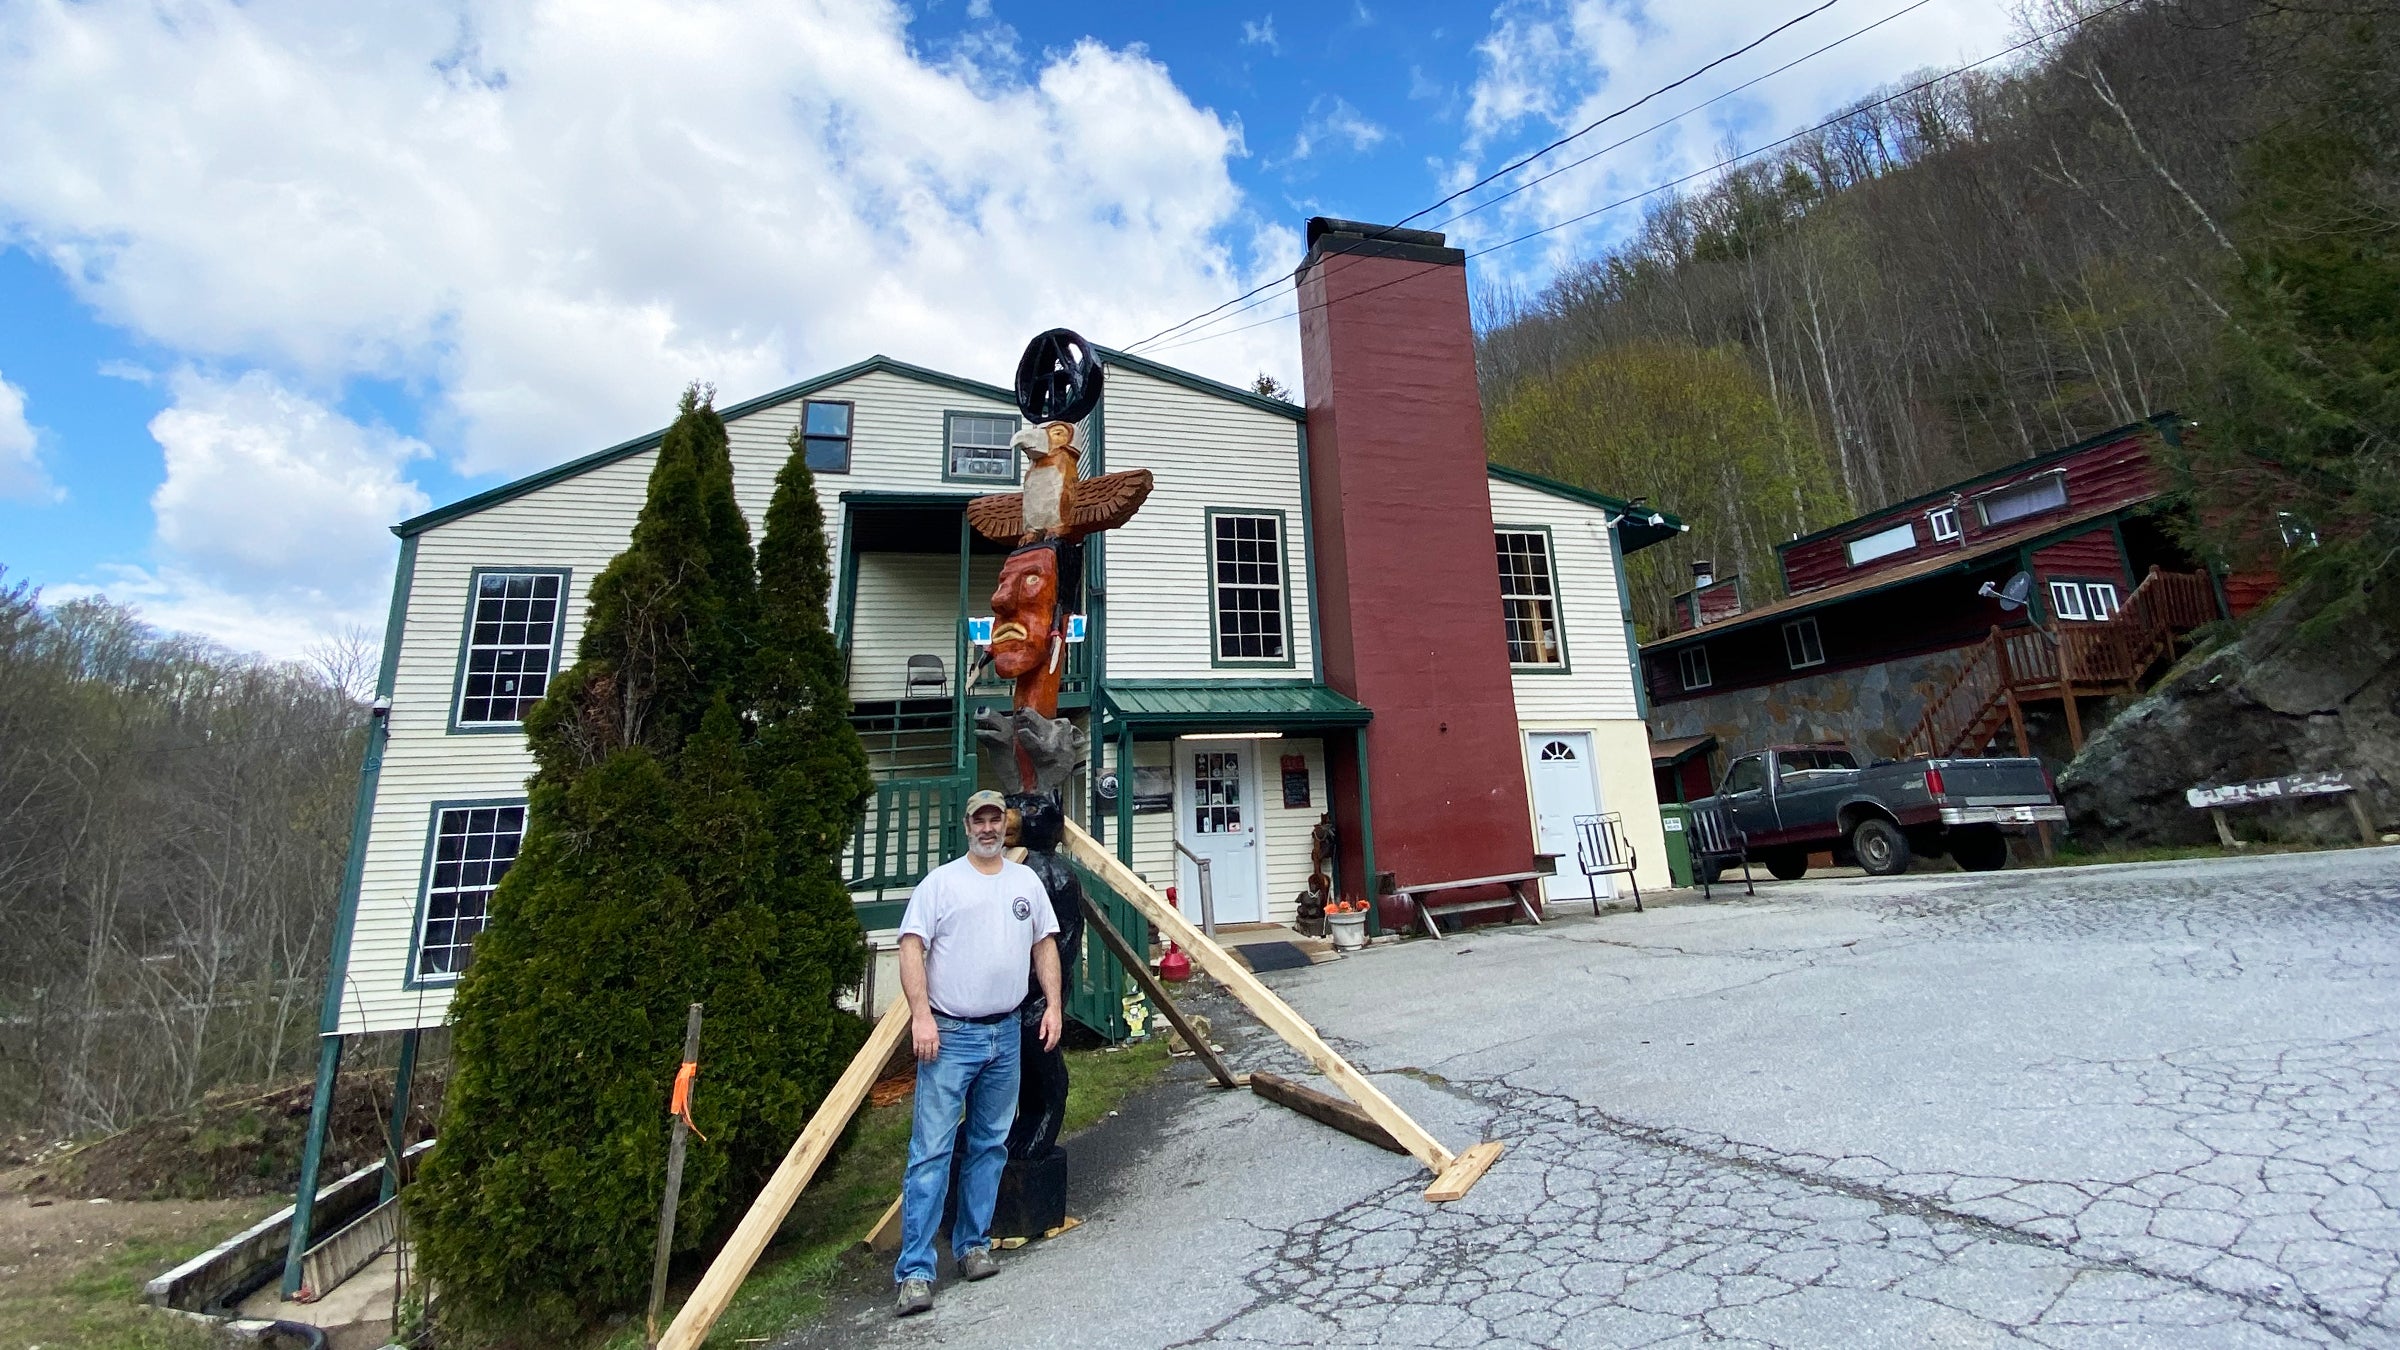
(1676, 818)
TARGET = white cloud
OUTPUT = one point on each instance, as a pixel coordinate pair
(550, 218)
(1261, 33)
(1547, 67)
(21, 473)
(1331, 120)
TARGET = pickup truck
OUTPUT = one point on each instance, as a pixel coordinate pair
(1793, 800)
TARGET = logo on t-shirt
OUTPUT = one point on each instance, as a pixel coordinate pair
(1024, 908)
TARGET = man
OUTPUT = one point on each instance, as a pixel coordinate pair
(974, 926)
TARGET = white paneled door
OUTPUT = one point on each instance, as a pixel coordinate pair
(1216, 817)
(1559, 767)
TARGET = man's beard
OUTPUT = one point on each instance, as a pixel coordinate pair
(981, 849)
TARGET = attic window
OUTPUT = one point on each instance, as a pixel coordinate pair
(979, 448)
(825, 429)
(1899, 538)
(2020, 500)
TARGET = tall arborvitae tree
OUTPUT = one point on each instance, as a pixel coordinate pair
(697, 779)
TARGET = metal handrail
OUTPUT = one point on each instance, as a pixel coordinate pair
(1208, 894)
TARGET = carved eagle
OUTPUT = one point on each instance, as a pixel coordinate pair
(1101, 503)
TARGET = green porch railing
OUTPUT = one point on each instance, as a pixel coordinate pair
(1096, 994)
(1074, 682)
(912, 826)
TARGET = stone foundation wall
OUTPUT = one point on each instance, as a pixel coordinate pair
(1873, 708)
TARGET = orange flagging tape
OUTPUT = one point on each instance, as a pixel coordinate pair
(681, 1103)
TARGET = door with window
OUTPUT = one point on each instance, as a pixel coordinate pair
(1564, 784)
(1216, 817)
(1746, 799)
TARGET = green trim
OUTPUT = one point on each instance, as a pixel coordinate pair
(1283, 572)
(845, 597)
(1200, 383)
(1125, 793)
(370, 775)
(1366, 837)
(466, 638)
(395, 1133)
(1162, 708)
(1308, 559)
(395, 621)
(1016, 475)
(1565, 665)
(878, 497)
(1633, 640)
(1095, 608)
(1646, 533)
(2160, 422)
(416, 922)
(959, 650)
(873, 365)
(312, 1162)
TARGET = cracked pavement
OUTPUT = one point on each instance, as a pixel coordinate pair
(2135, 1106)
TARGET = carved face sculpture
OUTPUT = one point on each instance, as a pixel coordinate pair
(1024, 607)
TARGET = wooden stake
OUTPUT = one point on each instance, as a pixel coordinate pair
(2216, 815)
(741, 1251)
(1323, 1108)
(666, 1208)
(2358, 813)
(1157, 992)
(1263, 1003)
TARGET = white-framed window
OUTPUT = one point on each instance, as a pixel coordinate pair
(825, 434)
(474, 844)
(1943, 521)
(511, 648)
(2102, 599)
(1801, 645)
(2066, 600)
(2020, 500)
(978, 447)
(1884, 543)
(1529, 598)
(1249, 589)
(1694, 663)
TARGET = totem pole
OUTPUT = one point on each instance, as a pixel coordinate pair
(1039, 599)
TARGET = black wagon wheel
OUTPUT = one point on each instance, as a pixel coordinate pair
(1058, 378)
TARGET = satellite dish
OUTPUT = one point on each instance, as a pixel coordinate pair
(2011, 595)
(1058, 378)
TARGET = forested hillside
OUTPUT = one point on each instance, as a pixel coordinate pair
(1973, 272)
(174, 820)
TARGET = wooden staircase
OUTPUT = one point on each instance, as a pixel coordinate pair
(2071, 660)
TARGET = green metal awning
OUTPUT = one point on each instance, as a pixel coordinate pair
(1170, 707)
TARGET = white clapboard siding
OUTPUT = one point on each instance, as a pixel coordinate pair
(1205, 451)
(907, 605)
(1598, 683)
(1284, 833)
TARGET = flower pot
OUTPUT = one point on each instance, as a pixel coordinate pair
(1349, 930)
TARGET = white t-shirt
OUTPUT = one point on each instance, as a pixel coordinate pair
(979, 933)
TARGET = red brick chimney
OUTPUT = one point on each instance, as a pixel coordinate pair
(1408, 583)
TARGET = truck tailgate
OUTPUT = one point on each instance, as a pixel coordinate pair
(1992, 782)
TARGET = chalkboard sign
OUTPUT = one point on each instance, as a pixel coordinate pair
(1295, 780)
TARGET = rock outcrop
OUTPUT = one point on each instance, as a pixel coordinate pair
(2272, 701)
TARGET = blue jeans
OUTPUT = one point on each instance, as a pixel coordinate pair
(975, 1076)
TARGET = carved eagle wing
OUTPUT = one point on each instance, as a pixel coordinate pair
(1000, 516)
(1110, 500)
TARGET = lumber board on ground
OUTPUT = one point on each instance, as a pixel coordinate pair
(1262, 1002)
(1157, 992)
(1324, 1108)
(884, 1237)
(1462, 1174)
(741, 1251)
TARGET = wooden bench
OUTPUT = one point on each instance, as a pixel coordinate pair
(1601, 851)
(2214, 800)
(1516, 882)
(1716, 840)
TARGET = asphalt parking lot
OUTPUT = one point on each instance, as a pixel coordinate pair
(2155, 1105)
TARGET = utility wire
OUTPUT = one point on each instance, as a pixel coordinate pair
(1727, 162)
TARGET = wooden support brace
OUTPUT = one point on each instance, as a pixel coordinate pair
(1464, 1171)
(1157, 992)
(884, 1237)
(741, 1251)
(1323, 1108)
(1267, 1007)
(2216, 816)
(2358, 813)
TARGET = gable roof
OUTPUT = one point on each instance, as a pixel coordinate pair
(1145, 366)
(467, 506)
(1635, 534)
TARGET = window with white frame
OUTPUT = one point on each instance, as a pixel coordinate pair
(825, 435)
(1943, 521)
(512, 646)
(1801, 645)
(2020, 500)
(1694, 661)
(1246, 570)
(2101, 598)
(979, 447)
(473, 847)
(1884, 543)
(2066, 600)
(1529, 598)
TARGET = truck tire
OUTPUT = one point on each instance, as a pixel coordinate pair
(1979, 848)
(1881, 848)
(1787, 865)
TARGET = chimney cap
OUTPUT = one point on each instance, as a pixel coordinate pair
(1320, 226)
(1331, 237)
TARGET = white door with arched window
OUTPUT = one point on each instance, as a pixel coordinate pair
(1565, 785)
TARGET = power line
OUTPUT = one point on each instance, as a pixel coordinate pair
(1727, 162)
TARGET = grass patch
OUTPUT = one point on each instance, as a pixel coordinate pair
(794, 1280)
(95, 1304)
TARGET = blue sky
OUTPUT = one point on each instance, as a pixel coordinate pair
(275, 275)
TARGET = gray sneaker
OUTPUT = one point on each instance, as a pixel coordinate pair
(978, 1264)
(916, 1296)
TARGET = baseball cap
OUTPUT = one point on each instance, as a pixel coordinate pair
(985, 798)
